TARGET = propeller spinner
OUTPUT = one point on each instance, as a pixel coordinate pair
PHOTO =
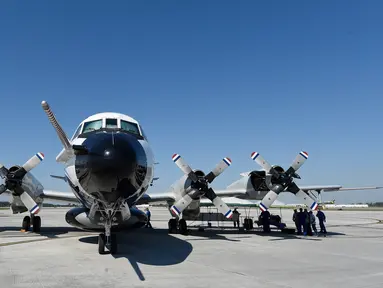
(278, 181)
(200, 187)
(14, 178)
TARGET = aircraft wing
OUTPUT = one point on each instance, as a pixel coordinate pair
(230, 192)
(170, 197)
(156, 197)
(232, 202)
(66, 197)
(334, 188)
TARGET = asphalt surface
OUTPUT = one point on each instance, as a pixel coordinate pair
(63, 256)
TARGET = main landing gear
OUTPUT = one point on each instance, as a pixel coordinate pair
(180, 225)
(33, 220)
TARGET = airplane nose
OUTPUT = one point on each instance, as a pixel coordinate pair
(114, 165)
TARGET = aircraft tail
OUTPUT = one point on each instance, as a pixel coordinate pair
(60, 132)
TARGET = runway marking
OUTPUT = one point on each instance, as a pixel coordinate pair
(39, 240)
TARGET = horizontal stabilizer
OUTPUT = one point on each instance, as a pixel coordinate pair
(59, 177)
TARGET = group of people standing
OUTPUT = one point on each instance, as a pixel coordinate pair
(306, 224)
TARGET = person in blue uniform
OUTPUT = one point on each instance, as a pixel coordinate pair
(296, 221)
(322, 219)
(148, 214)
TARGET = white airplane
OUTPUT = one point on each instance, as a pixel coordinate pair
(266, 184)
(109, 166)
(262, 187)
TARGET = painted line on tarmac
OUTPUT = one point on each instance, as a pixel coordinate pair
(39, 240)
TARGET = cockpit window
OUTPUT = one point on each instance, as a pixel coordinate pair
(130, 127)
(76, 133)
(143, 134)
(92, 125)
(111, 123)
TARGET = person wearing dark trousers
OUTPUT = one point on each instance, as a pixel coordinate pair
(312, 223)
(302, 220)
(235, 217)
(307, 229)
(265, 220)
(148, 214)
(322, 219)
(296, 221)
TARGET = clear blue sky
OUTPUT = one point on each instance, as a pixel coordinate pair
(206, 79)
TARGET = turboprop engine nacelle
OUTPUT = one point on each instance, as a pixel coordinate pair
(253, 182)
(182, 187)
(30, 185)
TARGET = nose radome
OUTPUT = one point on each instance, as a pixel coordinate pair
(111, 165)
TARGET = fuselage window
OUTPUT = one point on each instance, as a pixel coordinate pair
(92, 125)
(111, 123)
(130, 127)
(77, 132)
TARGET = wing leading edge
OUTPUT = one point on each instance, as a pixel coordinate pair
(335, 188)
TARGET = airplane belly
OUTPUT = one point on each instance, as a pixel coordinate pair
(78, 217)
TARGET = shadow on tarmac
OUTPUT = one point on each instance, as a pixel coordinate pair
(49, 232)
(148, 246)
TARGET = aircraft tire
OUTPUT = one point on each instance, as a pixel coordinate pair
(36, 224)
(101, 244)
(246, 224)
(183, 227)
(26, 223)
(172, 226)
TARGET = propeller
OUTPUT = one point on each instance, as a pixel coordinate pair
(13, 181)
(200, 187)
(278, 181)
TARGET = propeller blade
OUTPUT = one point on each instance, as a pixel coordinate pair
(263, 163)
(298, 162)
(218, 202)
(3, 171)
(33, 162)
(27, 200)
(270, 197)
(221, 166)
(307, 200)
(180, 162)
(180, 205)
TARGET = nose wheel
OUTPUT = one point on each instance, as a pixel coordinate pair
(109, 243)
(107, 240)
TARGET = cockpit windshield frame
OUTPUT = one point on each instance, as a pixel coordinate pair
(107, 123)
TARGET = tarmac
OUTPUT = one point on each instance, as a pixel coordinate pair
(62, 256)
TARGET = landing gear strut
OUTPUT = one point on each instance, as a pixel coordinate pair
(107, 239)
(33, 220)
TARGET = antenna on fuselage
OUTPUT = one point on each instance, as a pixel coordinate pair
(60, 132)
